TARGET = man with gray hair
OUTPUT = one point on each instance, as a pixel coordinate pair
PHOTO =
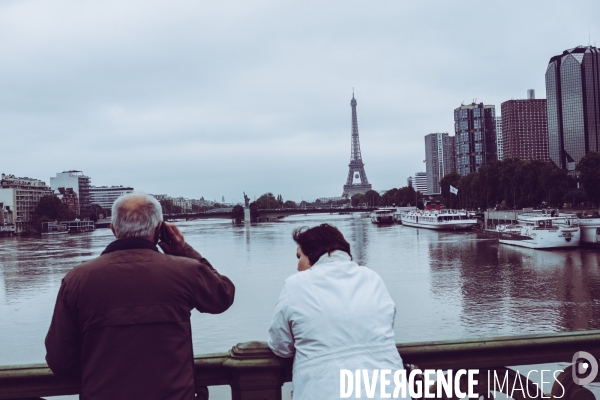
(121, 323)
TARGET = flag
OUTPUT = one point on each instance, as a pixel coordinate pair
(453, 189)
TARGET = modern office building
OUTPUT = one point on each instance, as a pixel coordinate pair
(20, 196)
(420, 182)
(499, 144)
(439, 159)
(105, 196)
(573, 105)
(475, 139)
(76, 181)
(525, 128)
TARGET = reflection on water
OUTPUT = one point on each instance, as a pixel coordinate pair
(522, 290)
(359, 235)
(445, 285)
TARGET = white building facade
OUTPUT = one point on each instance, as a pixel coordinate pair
(420, 182)
(20, 197)
(185, 204)
(105, 196)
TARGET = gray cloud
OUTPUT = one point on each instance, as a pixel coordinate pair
(199, 98)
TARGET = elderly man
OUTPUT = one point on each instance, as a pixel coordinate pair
(121, 322)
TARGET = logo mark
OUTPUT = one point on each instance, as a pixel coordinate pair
(584, 367)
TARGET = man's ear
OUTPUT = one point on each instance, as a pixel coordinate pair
(157, 233)
(112, 228)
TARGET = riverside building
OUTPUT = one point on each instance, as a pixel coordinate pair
(499, 144)
(573, 105)
(475, 139)
(439, 159)
(525, 128)
(420, 182)
(105, 196)
(20, 197)
(69, 197)
(76, 181)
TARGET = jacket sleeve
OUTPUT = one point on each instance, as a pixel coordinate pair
(63, 341)
(281, 338)
(212, 292)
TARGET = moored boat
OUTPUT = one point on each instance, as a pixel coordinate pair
(53, 228)
(439, 220)
(383, 216)
(541, 233)
(78, 226)
(589, 223)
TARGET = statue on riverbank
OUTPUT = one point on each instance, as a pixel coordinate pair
(246, 200)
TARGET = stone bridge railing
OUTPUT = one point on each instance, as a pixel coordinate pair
(253, 372)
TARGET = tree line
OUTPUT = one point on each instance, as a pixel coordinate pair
(514, 184)
(399, 197)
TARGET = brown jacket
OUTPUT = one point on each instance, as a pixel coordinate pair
(122, 321)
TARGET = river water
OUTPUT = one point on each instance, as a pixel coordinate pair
(445, 285)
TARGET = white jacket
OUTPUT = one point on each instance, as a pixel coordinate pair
(335, 315)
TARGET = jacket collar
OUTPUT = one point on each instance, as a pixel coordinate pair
(130, 243)
(336, 255)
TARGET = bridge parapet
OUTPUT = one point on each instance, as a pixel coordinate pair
(253, 371)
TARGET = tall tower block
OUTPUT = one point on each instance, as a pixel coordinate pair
(573, 105)
(357, 182)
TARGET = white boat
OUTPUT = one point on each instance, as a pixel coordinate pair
(541, 233)
(588, 221)
(439, 220)
(383, 216)
(78, 226)
(54, 228)
(590, 228)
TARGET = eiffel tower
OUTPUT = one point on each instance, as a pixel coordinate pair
(357, 182)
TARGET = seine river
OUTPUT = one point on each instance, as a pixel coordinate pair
(445, 285)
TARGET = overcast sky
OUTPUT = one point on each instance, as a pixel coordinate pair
(197, 98)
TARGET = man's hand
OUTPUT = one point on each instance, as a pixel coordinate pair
(174, 239)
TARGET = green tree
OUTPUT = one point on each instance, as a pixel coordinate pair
(290, 204)
(589, 173)
(510, 173)
(372, 198)
(575, 197)
(358, 199)
(489, 179)
(169, 208)
(555, 183)
(407, 195)
(389, 198)
(96, 212)
(53, 209)
(237, 213)
(450, 199)
(268, 201)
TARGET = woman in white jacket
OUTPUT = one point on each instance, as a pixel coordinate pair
(332, 315)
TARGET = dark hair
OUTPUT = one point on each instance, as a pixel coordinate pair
(318, 240)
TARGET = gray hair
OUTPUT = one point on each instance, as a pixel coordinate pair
(136, 215)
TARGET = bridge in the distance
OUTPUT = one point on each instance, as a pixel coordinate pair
(270, 214)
